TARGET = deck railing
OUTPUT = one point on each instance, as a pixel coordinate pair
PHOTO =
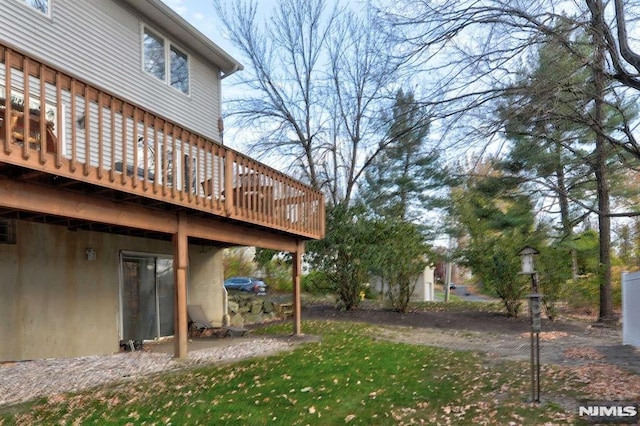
(55, 123)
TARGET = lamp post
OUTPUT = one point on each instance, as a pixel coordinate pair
(527, 254)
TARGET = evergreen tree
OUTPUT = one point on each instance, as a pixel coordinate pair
(542, 119)
(398, 180)
(559, 134)
(497, 219)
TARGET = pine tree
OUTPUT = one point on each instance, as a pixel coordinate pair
(397, 181)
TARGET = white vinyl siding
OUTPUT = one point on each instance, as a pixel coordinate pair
(100, 43)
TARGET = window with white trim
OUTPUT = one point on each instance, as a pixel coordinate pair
(165, 61)
(42, 6)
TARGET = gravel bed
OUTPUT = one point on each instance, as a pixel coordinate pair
(26, 380)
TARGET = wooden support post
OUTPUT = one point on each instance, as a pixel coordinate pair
(181, 259)
(297, 272)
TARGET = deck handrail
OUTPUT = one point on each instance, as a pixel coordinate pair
(94, 136)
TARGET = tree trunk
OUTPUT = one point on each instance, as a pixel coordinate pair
(604, 221)
(565, 215)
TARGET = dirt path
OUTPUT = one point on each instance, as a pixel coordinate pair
(562, 342)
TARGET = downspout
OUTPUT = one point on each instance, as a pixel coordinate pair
(235, 68)
(226, 320)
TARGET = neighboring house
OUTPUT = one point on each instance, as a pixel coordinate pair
(117, 196)
(423, 291)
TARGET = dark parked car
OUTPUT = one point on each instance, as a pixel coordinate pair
(253, 285)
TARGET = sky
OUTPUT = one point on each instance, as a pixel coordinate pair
(201, 14)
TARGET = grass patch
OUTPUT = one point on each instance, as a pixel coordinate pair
(348, 377)
(439, 297)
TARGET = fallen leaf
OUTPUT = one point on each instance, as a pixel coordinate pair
(547, 335)
(582, 353)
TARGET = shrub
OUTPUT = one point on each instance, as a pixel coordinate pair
(583, 294)
(554, 271)
(317, 282)
(236, 263)
(278, 275)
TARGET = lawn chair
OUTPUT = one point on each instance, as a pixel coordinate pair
(198, 320)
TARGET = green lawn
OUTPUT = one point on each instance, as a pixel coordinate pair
(348, 377)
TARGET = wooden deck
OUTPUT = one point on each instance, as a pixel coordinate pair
(93, 137)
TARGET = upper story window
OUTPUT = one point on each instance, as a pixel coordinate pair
(43, 6)
(165, 61)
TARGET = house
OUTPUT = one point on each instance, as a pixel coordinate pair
(117, 195)
(424, 286)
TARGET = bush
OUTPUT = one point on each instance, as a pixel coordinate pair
(616, 283)
(317, 282)
(278, 275)
(583, 294)
(554, 272)
(236, 263)
(495, 263)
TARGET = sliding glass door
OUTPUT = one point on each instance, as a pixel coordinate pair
(147, 296)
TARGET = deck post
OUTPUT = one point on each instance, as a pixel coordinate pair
(297, 272)
(181, 259)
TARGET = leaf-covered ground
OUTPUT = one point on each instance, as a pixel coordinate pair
(349, 377)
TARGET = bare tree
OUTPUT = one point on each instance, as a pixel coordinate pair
(313, 89)
(362, 76)
(600, 167)
(621, 62)
(617, 46)
(280, 85)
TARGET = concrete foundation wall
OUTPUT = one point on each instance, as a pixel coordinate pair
(206, 278)
(56, 303)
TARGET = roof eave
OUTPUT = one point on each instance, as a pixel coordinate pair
(183, 32)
